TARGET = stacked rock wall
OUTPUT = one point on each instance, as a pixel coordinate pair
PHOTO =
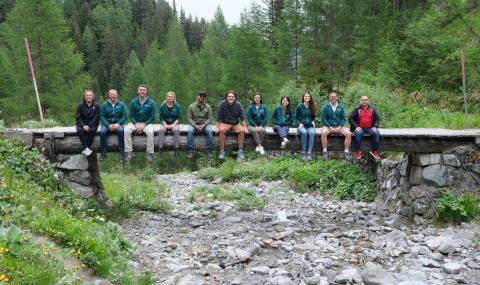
(412, 185)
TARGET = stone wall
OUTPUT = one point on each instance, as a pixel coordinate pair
(412, 185)
(81, 174)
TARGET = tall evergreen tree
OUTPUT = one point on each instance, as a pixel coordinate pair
(134, 77)
(153, 70)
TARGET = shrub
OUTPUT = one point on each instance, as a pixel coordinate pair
(457, 209)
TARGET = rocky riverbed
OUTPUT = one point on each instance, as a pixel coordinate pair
(295, 239)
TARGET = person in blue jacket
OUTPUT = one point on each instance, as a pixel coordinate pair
(113, 114)
(257, 118)
(283, 118)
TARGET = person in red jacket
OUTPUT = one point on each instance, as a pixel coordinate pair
(365, 119)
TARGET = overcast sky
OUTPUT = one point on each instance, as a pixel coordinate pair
(206, 8)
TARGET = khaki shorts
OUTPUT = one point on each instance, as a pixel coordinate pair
(231, 128)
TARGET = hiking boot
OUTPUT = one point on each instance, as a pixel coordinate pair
(303, 156)
(221, 154)
(346, 155)
(325, 155)
(283, 145)
(191, 155)
(150, 157)
(358, 155)
(240, 154)
(130, 155)
(375, 155)
(103, 156)
(309, 156)
(177, 152)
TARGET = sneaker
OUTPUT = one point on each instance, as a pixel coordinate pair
(209, 153)
(221, 154)
(309, 156)
(346, 155)
(358, 154)
(261, 151)
(257, 149)
(303, 156)
(130, 155)
(150, 157)
(88, 151)
(375, 155)
(191, 154)
(283, 145)
(325, 155)
(177, 152)
(286, 141)
(121, 156)
(103, 156)
(240, 154)
(84, 152)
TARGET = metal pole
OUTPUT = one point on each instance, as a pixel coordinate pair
(32, 71)
(465, 103)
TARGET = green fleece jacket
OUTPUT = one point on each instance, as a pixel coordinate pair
(257, 117)
(110, 114)
(170, 115)
(304, 116)
(331, 118)
(142, 113)
(283, 119)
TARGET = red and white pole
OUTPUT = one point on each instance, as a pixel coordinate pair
(32, 72)
(465, 104)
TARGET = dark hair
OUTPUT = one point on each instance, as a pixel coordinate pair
(255, 94)
(202, 94)
(288, 107)
(231, 91)
(311, 104)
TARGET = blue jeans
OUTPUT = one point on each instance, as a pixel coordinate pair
(303, 138)
(282, 131)
(103, 139)
(191, 141)
(374, 136)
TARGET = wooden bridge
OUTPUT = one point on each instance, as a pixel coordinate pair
(65, 140)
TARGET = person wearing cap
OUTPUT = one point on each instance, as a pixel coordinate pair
(199, 116)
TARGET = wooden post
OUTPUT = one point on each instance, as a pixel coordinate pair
(465, 103)
(32, 72)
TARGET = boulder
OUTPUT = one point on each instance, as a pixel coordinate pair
(452, 267)
(423, 191)
(437, 175)
(75, 162)
(281, 280)
(426, 159)
(373, 274)
(80, 190)
(416, 176)
(451, 160)
(80, 176)
(474, 167)
(348, 276)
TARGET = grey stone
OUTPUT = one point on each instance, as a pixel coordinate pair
(437, 175)
(452, 267)
(281, 280)
(474, 167)
(190, 279)
(420, 207)
(81, 177)
(422, 191)
(350, 275)
(75, 162)
(416, 176)
(412, 282)
(426, 159)
(444, 244)
(427, 262)
(234, 219)
(197, 223)
(80, 190)
(373, 274)
(312, 280)
(262, 270)
(451, 160)
(404, 166)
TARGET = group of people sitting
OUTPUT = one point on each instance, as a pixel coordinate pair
(230, 118)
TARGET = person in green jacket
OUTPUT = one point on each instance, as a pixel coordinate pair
(333, 119)
(257, 118)
(282, 120)
(170, 115)
(113, 114)
(142, 115)
(305, 115)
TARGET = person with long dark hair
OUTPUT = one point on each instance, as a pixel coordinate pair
(282, 120)
(87, 117)
(305, 114)
(257, 118)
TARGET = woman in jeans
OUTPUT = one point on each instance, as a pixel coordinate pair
(282, 120)
(305, 115)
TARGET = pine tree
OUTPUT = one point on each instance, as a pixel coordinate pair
(153, 70)
(134, 77)
(58, 68)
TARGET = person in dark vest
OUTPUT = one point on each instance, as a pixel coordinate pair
(87, 117)
(365, 119)
(230, 117)
(113, 114)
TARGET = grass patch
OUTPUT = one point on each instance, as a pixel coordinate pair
(476, 240)
(135, 192)
(32, 197)
(245, 199)
(453, 209)
(345, 181)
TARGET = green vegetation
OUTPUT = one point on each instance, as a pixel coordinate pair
(245, 199)
(345, 181)
(403, 54)
(476, 239)
(452, 209)
(34, 199)
(128, 192)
